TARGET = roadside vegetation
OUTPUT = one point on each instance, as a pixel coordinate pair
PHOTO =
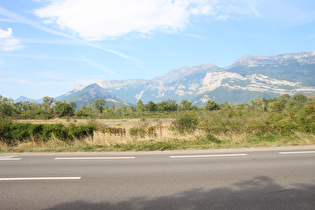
(58, 126)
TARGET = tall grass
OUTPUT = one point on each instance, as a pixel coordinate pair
(165, 139)
(231, 126)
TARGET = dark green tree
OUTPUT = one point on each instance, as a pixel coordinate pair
(65, 109)
(171, 105)
(151, 106)
(211, 105)
(47, 103)
(6, 106)
(99, 105)
(140, 106)
(186, 105)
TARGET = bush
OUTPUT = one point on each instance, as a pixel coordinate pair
(185, 123)
(114, 131)
(80, 131)
(152, 131)
(213, 139)
(11, 133)
(137, 132)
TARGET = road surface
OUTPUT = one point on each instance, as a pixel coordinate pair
(275, 178)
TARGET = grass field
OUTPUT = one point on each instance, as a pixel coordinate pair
(162, 138)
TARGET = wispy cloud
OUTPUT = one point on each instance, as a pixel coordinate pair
(24, 81)
(192, 35)
(101, 67)
(8, 42)
(49, 41)
(84, 59)
(51, 75)
(40, 56)
(98, 19)
(21, 19)
(15, 80)
(284, 12)
(45, 78)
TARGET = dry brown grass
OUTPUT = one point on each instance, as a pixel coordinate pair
(163, 132)
(101, 140)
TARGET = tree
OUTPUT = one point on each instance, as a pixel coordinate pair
(18, 107)
(6, 107)
(113, 108)
(161, 106)
(285, 97)
(297, 101)
(47, 103)
(65, 109)
(276, 106)
(211, 105)
(299, 98)
(151, 106)
(88, 109)
(99, 105)
(171, 105)
(186, 105)
(256, 103)
(131, 109)
(140, 106)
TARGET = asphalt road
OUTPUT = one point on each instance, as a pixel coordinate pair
(278, 178)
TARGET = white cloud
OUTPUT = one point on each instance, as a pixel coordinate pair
(99, 19)
(21, 19)
(5, 34)
(8, 42)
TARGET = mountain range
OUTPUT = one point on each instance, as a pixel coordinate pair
(247, 78)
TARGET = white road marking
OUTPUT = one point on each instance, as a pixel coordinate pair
(39, 178)
(5, 158)
(297, 152)
(94, 158)
(208, 156)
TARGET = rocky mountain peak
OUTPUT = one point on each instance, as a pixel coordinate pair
(248, 78)
(302, 58)
(178, 74)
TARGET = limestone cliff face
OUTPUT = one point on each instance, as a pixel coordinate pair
(247, 78)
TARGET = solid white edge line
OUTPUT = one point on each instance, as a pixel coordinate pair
(205, 156)
(297, 152)
(39, 178)
(94, 158)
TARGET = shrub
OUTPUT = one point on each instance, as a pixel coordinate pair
(114, 131)
(80, 131)
(185, 123)
(213, 139)
(19, 132)
(152, 131)
(151, 146)
(137, 132)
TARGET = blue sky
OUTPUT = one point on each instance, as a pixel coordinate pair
(48, 46)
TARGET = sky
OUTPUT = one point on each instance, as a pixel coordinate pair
(49, 46)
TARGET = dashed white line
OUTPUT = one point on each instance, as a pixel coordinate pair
(39, 178)
(6, 158)
(208, 156)
(94, 158)
(297, 152)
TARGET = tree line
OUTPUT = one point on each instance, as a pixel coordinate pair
(50, 108)
(268, 119)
